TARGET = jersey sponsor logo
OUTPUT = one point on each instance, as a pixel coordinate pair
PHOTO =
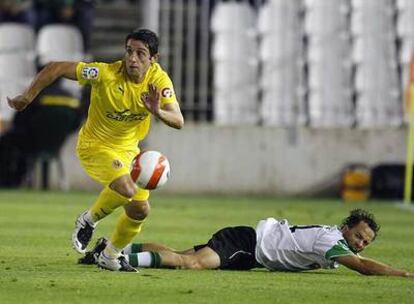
(127, 116)
(167, 92)
(90, 73)
(117, 164)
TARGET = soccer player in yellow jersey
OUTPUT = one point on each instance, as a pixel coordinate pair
(124, 96)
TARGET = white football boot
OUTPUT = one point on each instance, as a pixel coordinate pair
(82, 234)
(115, 264)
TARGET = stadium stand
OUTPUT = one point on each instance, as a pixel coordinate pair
(284, 46)
(235, 48)
(282, 57)
(111, 21)
(378, 91)
(16, 71)
(17, 53)
(17, 37)
(20, 52)
(59, 42)
(16, 65)
(329, 63)
(405, 33)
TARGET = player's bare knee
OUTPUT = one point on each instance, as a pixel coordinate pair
(192, 262)
(129, 191)
(137, 210)
(124, 186)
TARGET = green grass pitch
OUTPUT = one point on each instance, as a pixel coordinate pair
(38, 265)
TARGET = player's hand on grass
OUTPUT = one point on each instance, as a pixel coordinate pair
(19, 103)
(152, 100)
(409, 275)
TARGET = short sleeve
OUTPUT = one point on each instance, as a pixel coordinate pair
(89, 73)
(339, 249)
(165, 85)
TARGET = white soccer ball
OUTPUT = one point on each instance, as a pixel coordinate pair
(150, 170)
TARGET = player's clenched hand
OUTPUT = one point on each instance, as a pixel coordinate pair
(19, 103)
(152, 100)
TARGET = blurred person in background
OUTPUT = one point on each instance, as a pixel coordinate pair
(21, 11)
(125, 95)
(79, 13)
(38, 132)
(83, 19)
(54, 11)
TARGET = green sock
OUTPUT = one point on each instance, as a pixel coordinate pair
(156, 259)
(136, 247)
(133, 248)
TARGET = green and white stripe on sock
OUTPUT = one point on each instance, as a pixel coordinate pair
(156, 259)
(133, 248)
(146, 259)
(136, 247)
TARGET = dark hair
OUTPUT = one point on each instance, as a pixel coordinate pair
(359, 215)
(149, 38)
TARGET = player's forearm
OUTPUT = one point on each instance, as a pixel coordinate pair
(371, 267)
(171, 119)
(44, 78)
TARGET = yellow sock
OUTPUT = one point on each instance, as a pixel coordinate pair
(111, 251)
(125, 231)
(106, 203)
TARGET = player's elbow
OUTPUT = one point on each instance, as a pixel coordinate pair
(177, 124)
(180, 123)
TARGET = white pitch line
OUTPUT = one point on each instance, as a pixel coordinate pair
(404, 206)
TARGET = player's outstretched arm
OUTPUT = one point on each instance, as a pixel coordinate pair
(371, 267)
(45, 77)
(170, 114)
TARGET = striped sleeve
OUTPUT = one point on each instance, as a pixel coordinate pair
(341, 248)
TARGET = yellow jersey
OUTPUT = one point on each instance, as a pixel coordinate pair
(117, 117)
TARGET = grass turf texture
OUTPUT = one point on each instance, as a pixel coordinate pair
(37, 264)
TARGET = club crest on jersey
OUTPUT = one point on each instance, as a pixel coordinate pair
(90, 73)
(167, 92)
(117, 164)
